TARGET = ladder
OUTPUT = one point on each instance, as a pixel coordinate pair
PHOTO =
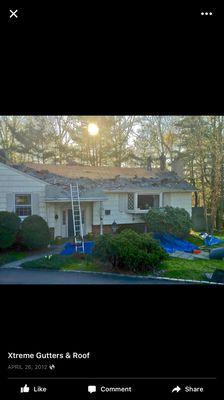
(77, 215)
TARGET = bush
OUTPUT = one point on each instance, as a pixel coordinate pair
(9, 227)
(129, 250)
(139, 228)
(172, 220)
(35, 233)
(89, 237)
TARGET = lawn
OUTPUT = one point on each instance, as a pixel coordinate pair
(192, 269)
(10, 256)
(173, 267)
(63, 263)
(189, 269)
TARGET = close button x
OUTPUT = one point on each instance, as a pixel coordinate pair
(13, 13)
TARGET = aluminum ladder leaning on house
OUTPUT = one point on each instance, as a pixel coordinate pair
(77, 215)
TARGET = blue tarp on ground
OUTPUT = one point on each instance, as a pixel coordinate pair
(70, 248)
(171, 243)
(210, 240)
(217, 254)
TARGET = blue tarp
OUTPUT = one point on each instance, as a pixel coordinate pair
(210, 240)
(217, 254)
(171, 243)
(70, 248)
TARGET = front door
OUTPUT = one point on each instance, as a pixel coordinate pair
(70, 223)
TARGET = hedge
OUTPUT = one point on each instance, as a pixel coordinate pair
(9, 228)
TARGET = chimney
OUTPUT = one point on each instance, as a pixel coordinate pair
(162, 160)
(177, 166)
(3, 157)
(149, 163)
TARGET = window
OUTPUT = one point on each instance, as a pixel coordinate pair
(131, 201)
(145, 201)
(23, 205)
(83, 216)
(63, 217)
(107, 212)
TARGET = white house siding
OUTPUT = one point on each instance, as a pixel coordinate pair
(182, 200)
(58, 208)
(52, 223)
(117, 205)
(166, 199)
(88, 216)
(13, 182)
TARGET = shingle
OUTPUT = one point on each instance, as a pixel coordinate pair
(77, 171)
(93, 181)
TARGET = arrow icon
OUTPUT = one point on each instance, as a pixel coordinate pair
(176, 389)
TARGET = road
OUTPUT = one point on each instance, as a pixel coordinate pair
(22, 276)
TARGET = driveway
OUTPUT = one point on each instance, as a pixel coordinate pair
(22, 276)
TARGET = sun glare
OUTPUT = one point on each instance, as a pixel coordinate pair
(93, 129)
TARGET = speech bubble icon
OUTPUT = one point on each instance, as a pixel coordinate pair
(91, 389)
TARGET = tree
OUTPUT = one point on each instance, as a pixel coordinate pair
(173, 220)
(9, 144)
(156, 136)
(202, 145)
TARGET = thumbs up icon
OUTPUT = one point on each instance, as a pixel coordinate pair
(24, 389)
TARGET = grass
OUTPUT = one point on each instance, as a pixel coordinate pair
(172, 268)
(189, 269)
(192, 269)
(11, 255)
(63, 263)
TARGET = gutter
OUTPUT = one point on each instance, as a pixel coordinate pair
(54, 200)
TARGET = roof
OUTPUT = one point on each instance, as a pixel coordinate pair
(90, 172)
(56, 193)
(94, 182)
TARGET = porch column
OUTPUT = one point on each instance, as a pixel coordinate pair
(101, 218)
(161, 199)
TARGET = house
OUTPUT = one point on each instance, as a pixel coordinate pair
(107, 194)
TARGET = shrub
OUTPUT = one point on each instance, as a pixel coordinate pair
(139, 228)
(35, 232)
(79, 256)
(59, 240)
(9, 227)
(89, 237)
(172, 220)
(129, 250)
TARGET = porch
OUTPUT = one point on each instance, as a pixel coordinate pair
(60, 221)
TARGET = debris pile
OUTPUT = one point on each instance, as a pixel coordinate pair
(162, 179)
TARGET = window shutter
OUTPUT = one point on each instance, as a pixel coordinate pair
(35, 204)
(121, 202)
(10, 200)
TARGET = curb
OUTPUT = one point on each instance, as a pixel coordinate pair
(129, 276)
(145, 277)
